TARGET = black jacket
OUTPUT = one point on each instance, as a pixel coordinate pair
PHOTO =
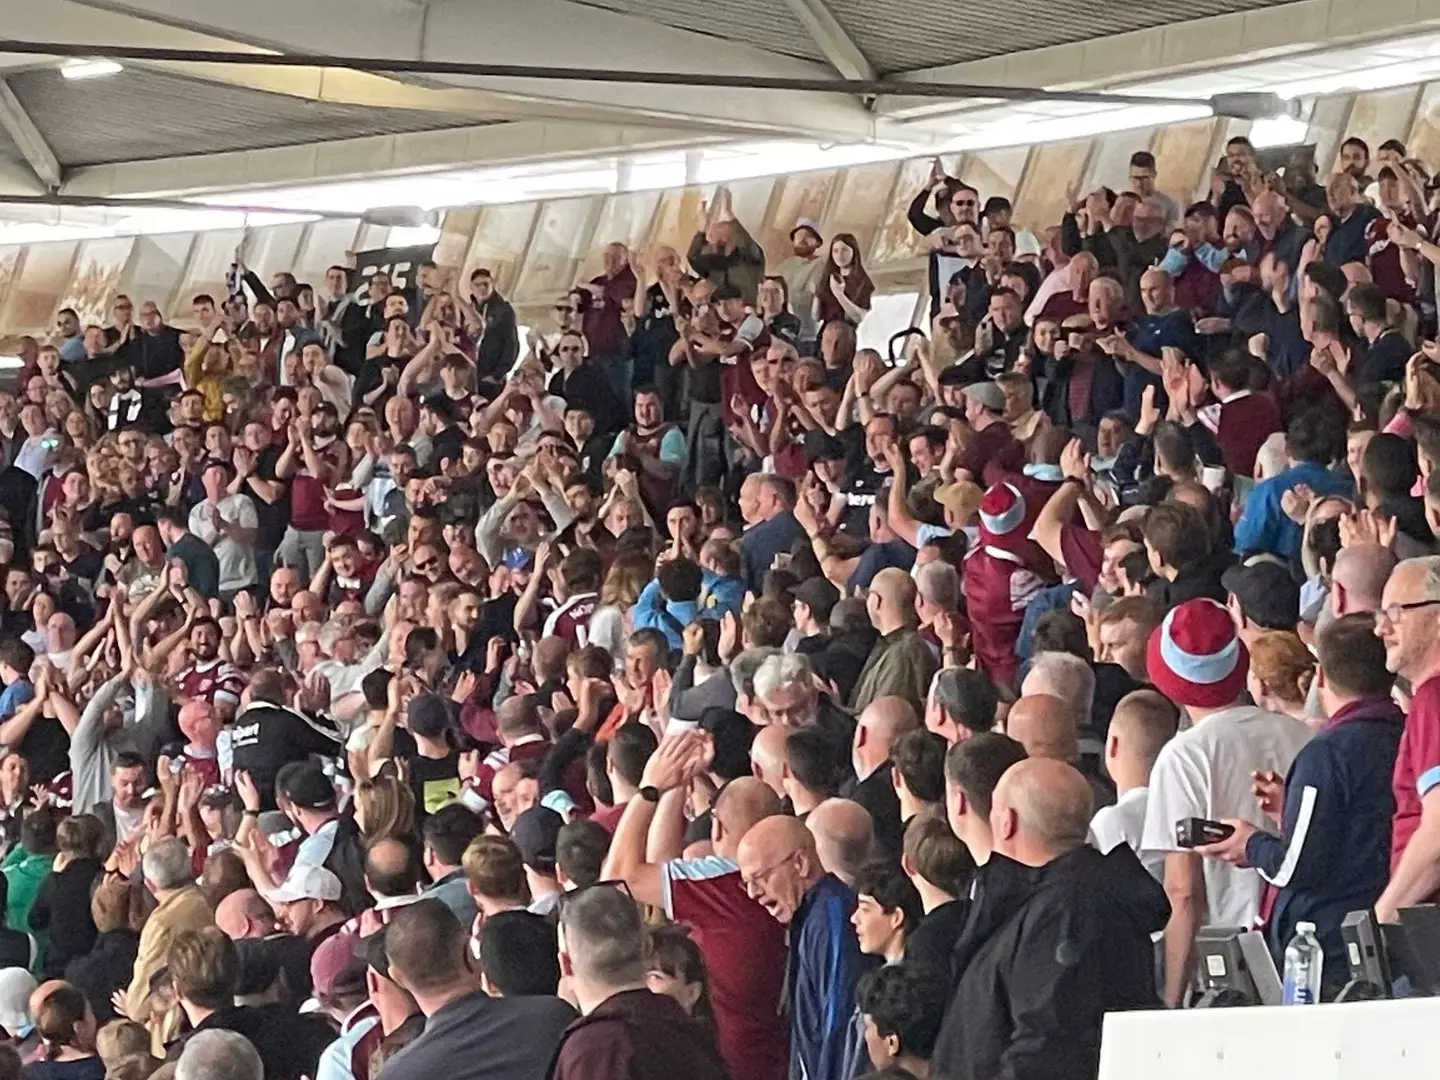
(62, 908)
(500, 344)
(108, 967)
(290, 1044)
(268, 736)
(1046, 953)
(876, 793)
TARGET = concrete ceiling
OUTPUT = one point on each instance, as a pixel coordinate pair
(167, 128)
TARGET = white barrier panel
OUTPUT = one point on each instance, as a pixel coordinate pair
(1375, 1040)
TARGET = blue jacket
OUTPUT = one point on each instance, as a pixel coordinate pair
(1263, 526)
(719, 594)
(823, 966)
(1333, 856)
(653, 611)
(761, 543)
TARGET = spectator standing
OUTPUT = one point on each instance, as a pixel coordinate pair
(1014, 1010)
(1198, 662)
(468, 1034)
(781, 869)
(1408, 622)
(625, 1032)
(1334, 803)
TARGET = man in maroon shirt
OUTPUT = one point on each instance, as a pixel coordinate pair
(744, 948)
(612, 297)
(994, 450)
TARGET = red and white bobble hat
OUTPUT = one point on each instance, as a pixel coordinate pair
(1002, 517)
(1194, 656)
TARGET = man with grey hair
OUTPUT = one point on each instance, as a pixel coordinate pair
(1408, 622)
(626, 1033)
(217, 1054)
(742, 680)
(787, 694)
(1093, 913)
(937, 593)
(170, 876)
(1065, 676)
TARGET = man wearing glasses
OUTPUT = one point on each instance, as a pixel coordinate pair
(1408, 622)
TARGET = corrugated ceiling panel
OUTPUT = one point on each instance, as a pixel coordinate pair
(768, 24)
(927, 33)
(137, 115)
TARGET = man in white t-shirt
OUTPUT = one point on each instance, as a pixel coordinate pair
(228, 523)
(1142, 724)
(1207, 771)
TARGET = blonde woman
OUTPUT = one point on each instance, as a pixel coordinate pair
(384, 806)
(610, 624)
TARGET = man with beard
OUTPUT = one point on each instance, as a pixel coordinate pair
(131, 406)
(209, 678)
(155, 351)
(657, 447)
(313, 459)
(802, 272)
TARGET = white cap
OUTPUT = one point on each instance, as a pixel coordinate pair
(307, 883)
(1304, 927)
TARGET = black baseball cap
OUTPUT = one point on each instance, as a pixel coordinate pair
(307, 786)
(1266, 590)
(535, 833)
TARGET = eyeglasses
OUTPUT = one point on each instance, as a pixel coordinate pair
(427, 565)
(1392, 612)
(761, 876)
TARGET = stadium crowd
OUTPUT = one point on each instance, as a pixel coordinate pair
(685, 691)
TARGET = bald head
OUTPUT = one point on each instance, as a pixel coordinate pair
(1360, 574)
(777, 838)
(844, 836)
(893, 591)
(245, 914)
(1045, 726)
(767, 756)
(778, 864)
(743, 804)
(879, 724)
(1042, 810)
(886, 717)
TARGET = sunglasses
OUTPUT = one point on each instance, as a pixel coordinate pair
(564, 310)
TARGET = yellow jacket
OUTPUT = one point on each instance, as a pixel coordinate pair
(197, 379)
(184, 909)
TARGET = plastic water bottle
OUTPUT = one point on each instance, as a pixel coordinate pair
(1304, 965)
